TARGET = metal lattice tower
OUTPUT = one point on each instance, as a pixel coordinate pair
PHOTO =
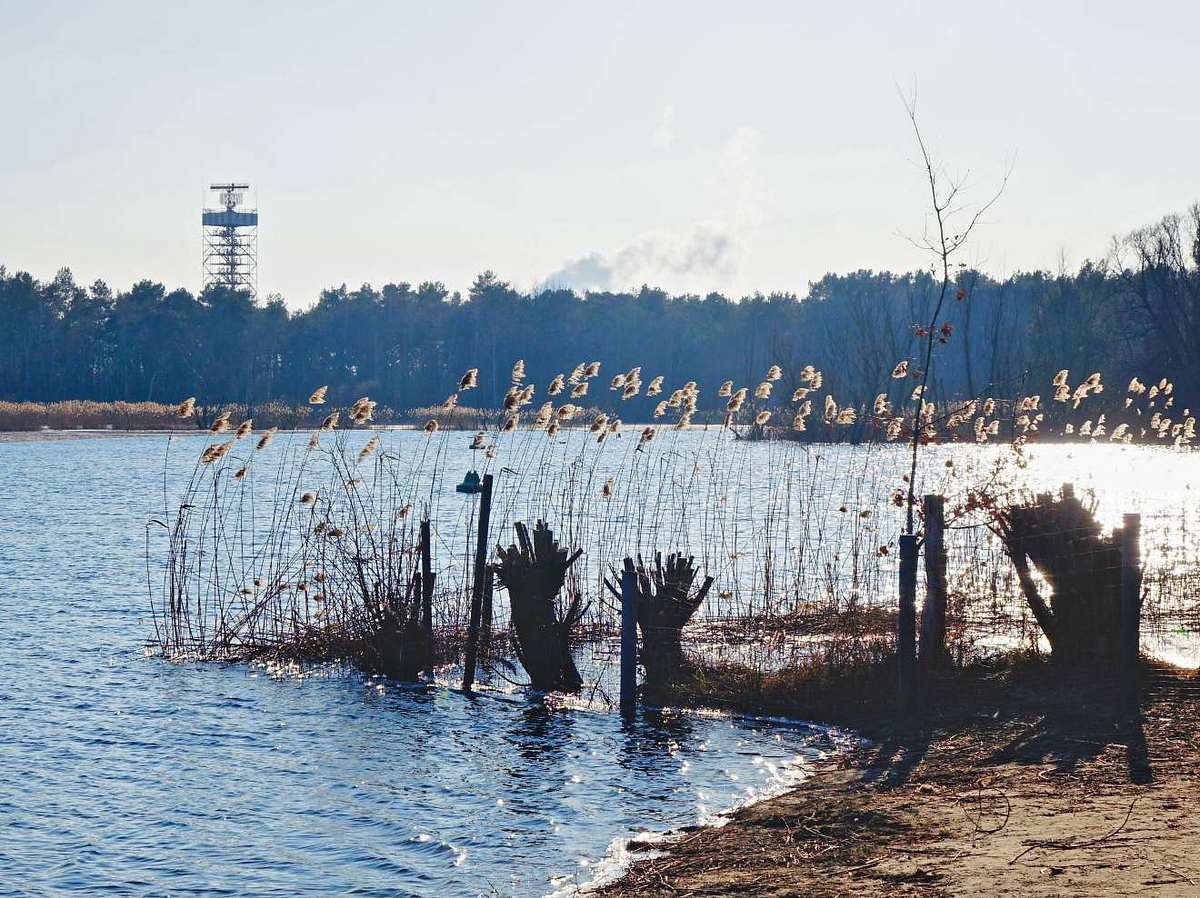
(231, 241)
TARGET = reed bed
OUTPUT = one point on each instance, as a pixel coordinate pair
(303, 547)
(78, 414)
(81, 414)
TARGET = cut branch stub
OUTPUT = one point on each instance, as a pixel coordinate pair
(534, 574)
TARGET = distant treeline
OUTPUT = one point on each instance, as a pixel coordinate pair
(1136, 312)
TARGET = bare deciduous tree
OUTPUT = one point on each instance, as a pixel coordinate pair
(1163, 281)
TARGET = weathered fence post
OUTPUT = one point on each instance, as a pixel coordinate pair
(933, 615)
(479, 580)
(906, 620)
(629, 588)
(485, 627)
(1131, 597)
(427, 595)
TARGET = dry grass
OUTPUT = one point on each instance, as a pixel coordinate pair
(83, 414)
(1021, 778)
(448, 415)
(837, 680)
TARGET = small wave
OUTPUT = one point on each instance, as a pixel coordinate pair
(429, 844)
(787, 775)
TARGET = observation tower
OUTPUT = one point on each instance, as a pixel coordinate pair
(231, 241)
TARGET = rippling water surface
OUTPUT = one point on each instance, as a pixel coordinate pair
(121, 774)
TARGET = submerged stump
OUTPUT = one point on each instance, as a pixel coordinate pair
(1061, 538)
(398, 645)
(533, 574)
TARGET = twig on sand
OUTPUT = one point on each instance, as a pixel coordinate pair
(1070, 845)
(977, 795)
(871, 863)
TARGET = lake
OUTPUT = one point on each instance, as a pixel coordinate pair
(128, 775)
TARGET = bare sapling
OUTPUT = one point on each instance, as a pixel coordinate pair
(953, 226)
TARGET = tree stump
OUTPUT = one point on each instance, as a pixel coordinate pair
(665, 604)
(397, 646)
(1062, 540)
(534, 575)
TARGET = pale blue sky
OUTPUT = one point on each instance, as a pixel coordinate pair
(730, 146)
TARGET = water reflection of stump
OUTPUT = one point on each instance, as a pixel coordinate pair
(534, 575)
(665, 603)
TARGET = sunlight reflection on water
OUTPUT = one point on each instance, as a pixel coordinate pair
(128, 775)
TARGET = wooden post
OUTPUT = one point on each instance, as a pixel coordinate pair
(933, 616)
(481, 556)
(906, 620)
(1131, 595)
(427, 594)
(629, 589)
(485, 632)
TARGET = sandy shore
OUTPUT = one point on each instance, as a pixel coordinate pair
(1049, 793)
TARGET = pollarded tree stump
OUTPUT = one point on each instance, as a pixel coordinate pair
(534, 575)
(665, 604)
(1062, 540)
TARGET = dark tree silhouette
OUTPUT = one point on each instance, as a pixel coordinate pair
(406, 346)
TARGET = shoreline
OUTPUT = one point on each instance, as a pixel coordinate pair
(626, 852)
(1067, 798)
(93, 433)
(53, 435)
(82, 433)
